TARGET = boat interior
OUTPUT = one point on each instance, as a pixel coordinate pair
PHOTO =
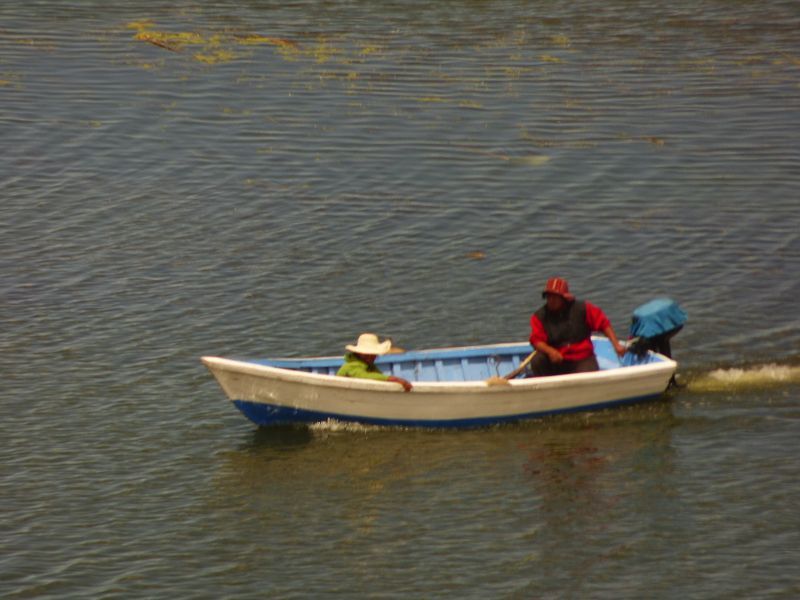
(469, 363)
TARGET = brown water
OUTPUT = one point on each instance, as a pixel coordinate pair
(259, 178)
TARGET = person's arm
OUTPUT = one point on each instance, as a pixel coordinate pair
(609, 333)
(598, 321)
(359, 369)
(538, 340)
(405, 383)
(553, 354)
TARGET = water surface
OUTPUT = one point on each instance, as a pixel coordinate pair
(259, 178)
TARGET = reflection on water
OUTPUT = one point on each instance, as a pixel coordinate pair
(277, 438)
(551, 487)
(562, 454)
(573, 465)
(589, 477)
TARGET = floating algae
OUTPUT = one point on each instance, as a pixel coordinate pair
(209, 49)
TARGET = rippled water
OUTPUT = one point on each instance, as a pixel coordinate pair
(260, 178)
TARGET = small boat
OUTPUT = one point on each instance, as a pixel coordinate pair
(452, 387)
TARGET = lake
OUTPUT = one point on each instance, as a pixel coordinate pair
(262, 178)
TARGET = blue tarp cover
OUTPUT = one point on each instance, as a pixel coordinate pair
(656, 317)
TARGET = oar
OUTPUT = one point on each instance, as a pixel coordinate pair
(494, 380)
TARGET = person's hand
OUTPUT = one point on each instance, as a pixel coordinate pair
(406, 384)
(618, 348)
(555, 356)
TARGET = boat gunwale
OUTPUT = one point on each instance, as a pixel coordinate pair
(476, 350)
(479, 386)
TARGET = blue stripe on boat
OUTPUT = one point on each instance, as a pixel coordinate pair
(269, 414)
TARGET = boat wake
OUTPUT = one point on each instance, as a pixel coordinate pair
(754, 377)
(332, 425)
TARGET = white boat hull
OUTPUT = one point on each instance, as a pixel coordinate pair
(272, 395)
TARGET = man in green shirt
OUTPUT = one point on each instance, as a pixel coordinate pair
(360, 360)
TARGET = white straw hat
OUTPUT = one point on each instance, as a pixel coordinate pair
(368, 344)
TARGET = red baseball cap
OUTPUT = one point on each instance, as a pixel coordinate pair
(558, 286)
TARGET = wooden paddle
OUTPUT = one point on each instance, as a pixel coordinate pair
(495, 380)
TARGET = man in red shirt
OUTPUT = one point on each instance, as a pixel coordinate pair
(561, 332)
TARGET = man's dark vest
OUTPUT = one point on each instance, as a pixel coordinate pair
(567, 326)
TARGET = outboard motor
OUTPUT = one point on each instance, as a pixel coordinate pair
(654, 324)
